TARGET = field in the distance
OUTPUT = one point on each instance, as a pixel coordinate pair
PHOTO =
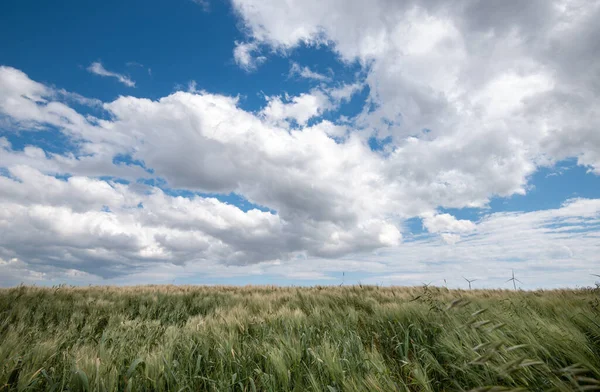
(185, 338)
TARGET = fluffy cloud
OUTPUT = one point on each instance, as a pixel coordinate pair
(551, 248)
(524, 76)
(244, 55)
(448, 226)
(474, 97)
(102, 228)
(299, 109)
(330, 198)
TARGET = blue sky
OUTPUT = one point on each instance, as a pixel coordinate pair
(261, 142)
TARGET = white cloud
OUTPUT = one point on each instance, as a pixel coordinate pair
(438, 223)
(344, 92)
(98, 69)
(303, 107)
(4, 143)
(447, 226)
(300, 108)
(227, 150)
(475, 97)
(551, 248)
(450, 238)
(15, 271)
(468, 72)
(331, 198)
(307, 73)
(546, 249)
(78, 98)
(244, 56)
(21, 96)
(101, 227)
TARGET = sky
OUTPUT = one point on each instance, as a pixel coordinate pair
(313, 142)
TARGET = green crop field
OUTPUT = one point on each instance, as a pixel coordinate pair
(185, 338)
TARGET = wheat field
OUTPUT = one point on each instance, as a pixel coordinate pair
(267, 338)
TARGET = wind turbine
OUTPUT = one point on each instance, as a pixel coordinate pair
(514, 280)
(469, 280)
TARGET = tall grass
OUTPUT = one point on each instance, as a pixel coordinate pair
(296, 339)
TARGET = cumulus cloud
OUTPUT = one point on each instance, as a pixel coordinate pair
(299, 109)
(100, 227)
(329, 198)
(447, 225)
(98, 69)
(474, 98)
(465, 72)
(551, 248)
(438, 223)
(245, 55)
(344, 92)
(228, 150)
